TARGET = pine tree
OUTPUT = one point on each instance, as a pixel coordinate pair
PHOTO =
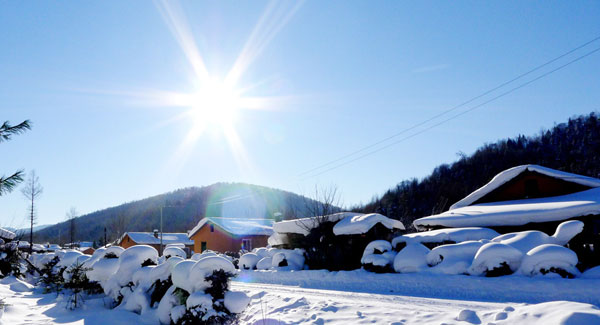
(7, 184)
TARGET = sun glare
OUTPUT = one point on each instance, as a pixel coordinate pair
(214, 104)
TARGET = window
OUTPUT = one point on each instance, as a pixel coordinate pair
(202, 246)
(212, 228)
(247, 244)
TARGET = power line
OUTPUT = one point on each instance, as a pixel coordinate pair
(459, 114)
(446, 111)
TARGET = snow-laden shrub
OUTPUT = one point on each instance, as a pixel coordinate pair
(288, 259)
(264, 263)
(205, 267)
(174, 251)
(50, 279)
(96, 256)
(262, 252)
(120, 285)
(495, 259)
(550, 259)
(378, 257)
(10, 261)
(69, 258)
(453, 258)
(248, 261)
(411, 258)
(103, 269)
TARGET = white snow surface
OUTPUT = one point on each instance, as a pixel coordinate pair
(7, 234)
(69, 258)
(131, 260)
(453, 258)
(117, 250)
(236, 301)
(265, 263)
(592, 273)
(361, 224)
(527, 240)
(517, 212)
(492, 255)
(456, 235)
(411, 258)
(303, 226)
(385, 254)
(180, 275)
(547, 256)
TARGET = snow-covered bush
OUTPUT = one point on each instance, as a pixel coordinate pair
(77, 284)
(174, 251)
(453, 258)
(264, 263)
(248, 261)
(50, 279)
(411, 258)
(496, 259)
(550, 259)
(378, 257)
(120, 284)
(10, 260)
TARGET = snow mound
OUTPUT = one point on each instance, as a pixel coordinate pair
(550, 259)
(469, 316)
(180, 275)
(288, 259)
(200, 299)
(593, 273)
(174, 251)
(69, 258)
(411, 258)
(265, 263)
(455, 235)
(236, 301)
(162, 271)
(261, 252)
(117, 250)
(377, 256)
(495, 257)
(361, 224)
(131, 260)
(527, 240)
(453, 258)
(102, 269)
(248, 261)
(205, 267)
(98, 254)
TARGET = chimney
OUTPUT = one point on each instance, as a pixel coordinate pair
(155, 233)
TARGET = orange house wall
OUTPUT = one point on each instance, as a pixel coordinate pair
(222, 241)
(127, 242)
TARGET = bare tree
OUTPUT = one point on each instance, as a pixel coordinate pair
(32, 192)
(7, 184)
(71, 217)
(118, 226)
(324, 202)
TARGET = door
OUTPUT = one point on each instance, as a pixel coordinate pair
(202, 246)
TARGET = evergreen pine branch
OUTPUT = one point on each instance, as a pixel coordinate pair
(7, 184)
(7, 130)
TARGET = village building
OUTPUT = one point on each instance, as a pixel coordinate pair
(529, 197)
(230, 234)
(346, 234)
(153, 239)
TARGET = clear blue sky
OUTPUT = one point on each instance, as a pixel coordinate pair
(341, 75)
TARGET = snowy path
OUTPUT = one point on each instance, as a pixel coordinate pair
(280, 304)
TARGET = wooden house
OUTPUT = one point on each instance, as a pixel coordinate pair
(230, 234)
(530, 197)
(153, 239)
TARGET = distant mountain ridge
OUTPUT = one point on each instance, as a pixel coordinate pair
(571, 147)
(184, 208)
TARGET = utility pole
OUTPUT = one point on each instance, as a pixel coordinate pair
(161, 231)
(104, 236)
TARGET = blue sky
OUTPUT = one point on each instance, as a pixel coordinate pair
(338, 76)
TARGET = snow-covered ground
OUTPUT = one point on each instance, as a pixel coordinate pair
(354, 297)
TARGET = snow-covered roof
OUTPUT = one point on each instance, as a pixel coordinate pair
(238, 226)
(6, 234)
(304, 225)
(167, 238)
(456, 235)
(517, 212)
(507, 175)
(361, 224)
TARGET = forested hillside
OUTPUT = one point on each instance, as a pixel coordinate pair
(184, 208)
(572, 147)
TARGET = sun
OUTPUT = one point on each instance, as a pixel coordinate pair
(214, 104)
